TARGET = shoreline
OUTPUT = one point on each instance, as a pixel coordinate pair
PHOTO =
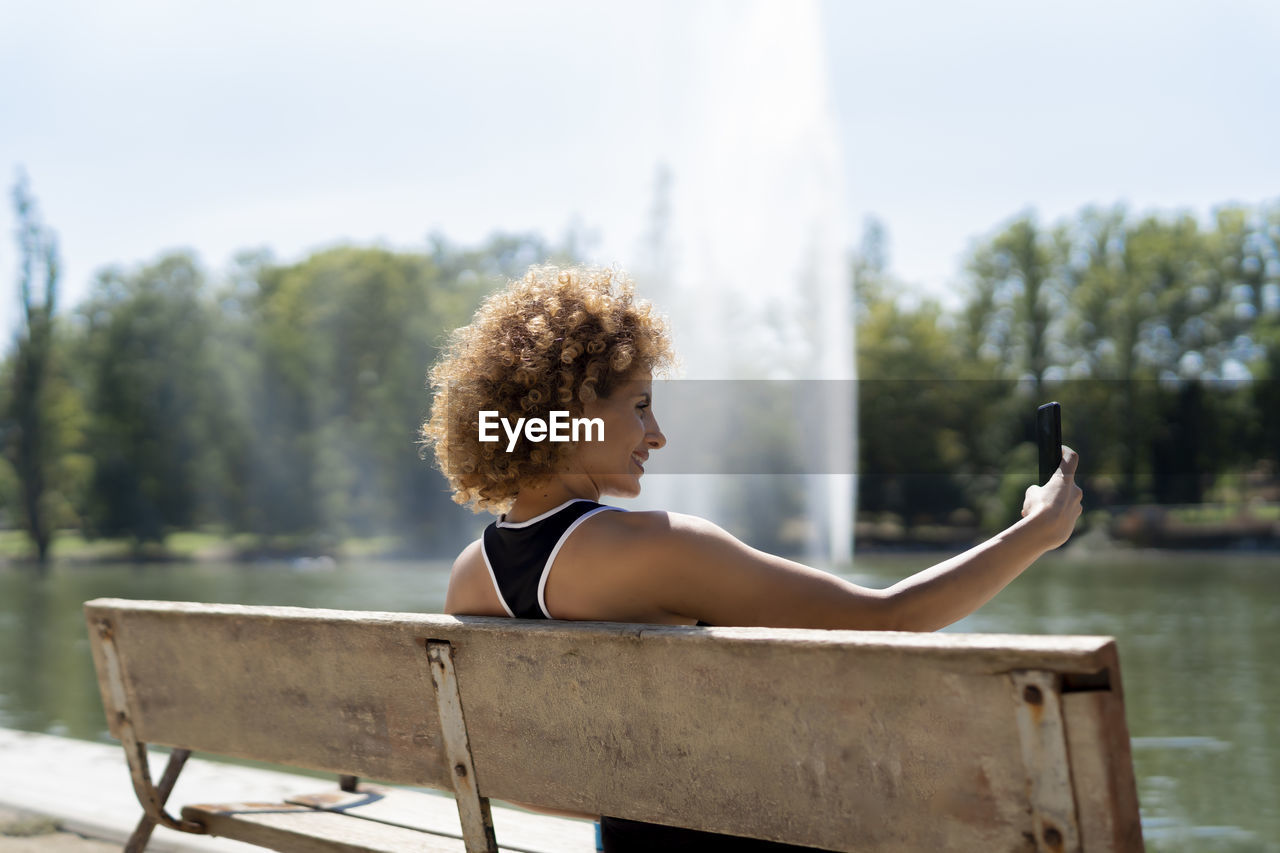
(1200, 528)
(76, 796)
(1081, 549)
(25, 832)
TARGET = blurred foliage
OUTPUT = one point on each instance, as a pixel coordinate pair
(37, 410)
(278, 401)
(1160, 337)
(157, 405)
(277, 404)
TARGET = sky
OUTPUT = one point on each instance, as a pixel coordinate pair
(148, 125)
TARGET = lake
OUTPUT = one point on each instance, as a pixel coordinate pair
(1199, 638)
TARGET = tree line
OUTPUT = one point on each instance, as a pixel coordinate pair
(282, 400)
(1160, 335)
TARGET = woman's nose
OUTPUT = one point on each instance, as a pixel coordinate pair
(654, 437)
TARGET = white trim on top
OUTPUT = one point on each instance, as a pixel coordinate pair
(493, 577)
(503, 523)
(546, 570)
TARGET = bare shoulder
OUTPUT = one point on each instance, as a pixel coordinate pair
(471, 591)
(620, 566)
(599, 572)
(645, 543)
(651, 528)
(640, 540)
(663, 566)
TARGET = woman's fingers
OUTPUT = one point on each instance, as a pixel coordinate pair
(1070, 461)
(1028, 499)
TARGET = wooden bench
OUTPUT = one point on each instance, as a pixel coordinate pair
(843, 740)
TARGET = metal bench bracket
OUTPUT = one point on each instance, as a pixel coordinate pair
(1038, 707)
(473, 809)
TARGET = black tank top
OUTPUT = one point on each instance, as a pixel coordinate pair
(519, 556)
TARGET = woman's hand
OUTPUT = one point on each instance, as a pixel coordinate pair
(1054, 507)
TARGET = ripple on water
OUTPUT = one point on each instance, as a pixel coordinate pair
(1193, 742)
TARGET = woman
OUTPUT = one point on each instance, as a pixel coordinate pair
(577, 340)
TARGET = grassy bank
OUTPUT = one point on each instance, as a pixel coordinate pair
(1200, 526)
(1190, 527)
(200, 546)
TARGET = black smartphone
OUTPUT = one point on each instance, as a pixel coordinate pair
(1049, 439)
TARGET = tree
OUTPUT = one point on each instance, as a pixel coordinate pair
(31, 445)
(912, 404)
(159, 409)
(1138, 311)
(342, 343)
(1013, 300)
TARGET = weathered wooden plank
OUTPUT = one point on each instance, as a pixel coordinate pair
(992, 653)
(298, 829)
(830, 738)
(515, 830)
(324, 694)
(429, 812)
(841, 745)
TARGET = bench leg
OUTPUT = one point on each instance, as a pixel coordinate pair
(135, 751)
(138, 841)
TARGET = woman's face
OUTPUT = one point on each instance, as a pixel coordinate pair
(616, 464)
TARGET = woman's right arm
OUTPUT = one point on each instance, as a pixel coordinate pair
(951, 590)
(687, 566)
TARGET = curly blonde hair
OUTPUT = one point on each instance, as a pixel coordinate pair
(559, 337)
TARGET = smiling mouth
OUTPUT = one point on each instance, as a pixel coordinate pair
(639, 462)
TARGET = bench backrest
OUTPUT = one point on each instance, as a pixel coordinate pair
(836, 739)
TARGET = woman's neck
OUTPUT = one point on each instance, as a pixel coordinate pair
(533, 501)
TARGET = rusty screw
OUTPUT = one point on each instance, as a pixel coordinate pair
(1032, 694)
(1052, 837)
(460, 769)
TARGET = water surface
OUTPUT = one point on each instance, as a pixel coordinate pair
(1197, 636)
